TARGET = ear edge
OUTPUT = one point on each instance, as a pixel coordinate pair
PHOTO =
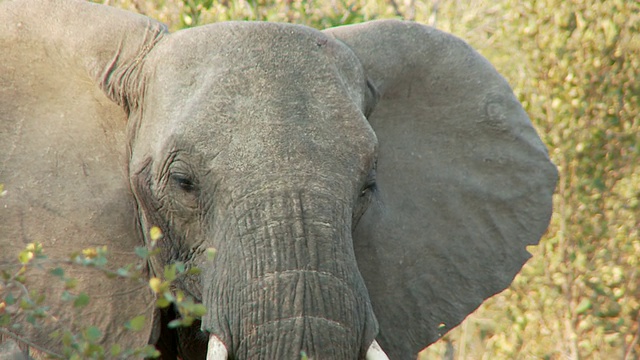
(372, 97)
(123, 82)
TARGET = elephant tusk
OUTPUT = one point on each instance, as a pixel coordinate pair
(216, 349)
(375, 352)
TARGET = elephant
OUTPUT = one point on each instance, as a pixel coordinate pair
(366, 187)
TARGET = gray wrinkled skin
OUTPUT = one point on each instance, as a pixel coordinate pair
(374, 181)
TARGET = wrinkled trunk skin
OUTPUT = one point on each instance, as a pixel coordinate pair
(285, 281)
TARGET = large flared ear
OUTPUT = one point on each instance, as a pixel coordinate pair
(465, 182)
(69, 74)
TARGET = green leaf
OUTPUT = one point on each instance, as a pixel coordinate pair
(115, 350)
(162, 303)
(584, 305)
(5, 319)
(81, 300)
(136, 324)
(25, 304)
(10, 299)
(67, 339)
(25, 256)
(187, 321)
(167, 295)
(170, 272)
(70, 284)
(148, 352)
(92, 334)
(66, 296)
(142, 252)
(93, 351)
(174, 323)
(199, 310)
(59, 272)
(211, 253)
(194, 271)
(41, 312)
(38, 298)
(122, 272)
(100, 261)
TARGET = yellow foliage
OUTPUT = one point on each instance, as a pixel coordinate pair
(156, 285)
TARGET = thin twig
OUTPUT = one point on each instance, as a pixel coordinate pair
(29, 343)
(396, 9)
(139, 8)
(433, 19)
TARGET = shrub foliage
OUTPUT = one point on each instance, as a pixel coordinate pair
(575, 67)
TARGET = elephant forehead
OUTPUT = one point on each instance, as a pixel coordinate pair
(254, 57)
(249, 133)
(258, 95)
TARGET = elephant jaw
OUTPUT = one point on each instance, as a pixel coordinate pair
(217, 351)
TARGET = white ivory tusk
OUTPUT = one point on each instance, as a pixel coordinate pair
(216, 349)
(375, 352)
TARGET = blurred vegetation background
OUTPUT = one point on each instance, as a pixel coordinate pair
(575, 66)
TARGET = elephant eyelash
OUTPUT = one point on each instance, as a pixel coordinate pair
(184, 182)
(370, 188)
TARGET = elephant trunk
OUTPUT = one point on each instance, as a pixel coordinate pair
(286, 281)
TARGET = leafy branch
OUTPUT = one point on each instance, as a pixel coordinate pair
(17, 300)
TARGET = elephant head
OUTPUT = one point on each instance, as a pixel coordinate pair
(369, 184)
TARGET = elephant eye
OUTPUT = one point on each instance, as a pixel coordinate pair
(369, 187)
(184, 182)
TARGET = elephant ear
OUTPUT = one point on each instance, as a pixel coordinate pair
(68, 73)
(465, 184)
